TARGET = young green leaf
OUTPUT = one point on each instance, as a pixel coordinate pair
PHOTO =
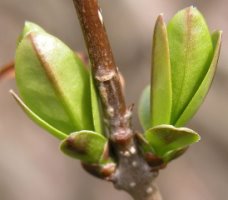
(198, 98)
(53, 82)
(55, 132)
(96, 111)
(164, 139)
(144, 109)
(190, 53)
(86, 146)
(161, 88)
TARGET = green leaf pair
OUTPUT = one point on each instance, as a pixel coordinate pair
(58, 92)
(184, 60)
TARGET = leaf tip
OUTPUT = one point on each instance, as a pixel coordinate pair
(220, 33)
(160, 19)
(11, 91)
(191, 11)
(192, 7)
(161, 15)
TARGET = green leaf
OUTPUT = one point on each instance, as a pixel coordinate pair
(191, 52)
(166, 139)
(86, 146)
(144, 109)
(53, 82)
(202, 91)
(161, 88)
(55, 132)
(96, 110)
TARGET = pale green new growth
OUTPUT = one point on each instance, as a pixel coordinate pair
(54, 84)
(191, 52)
(59, 93)
(166, 139)
(161, 90)
(202, 90)
(86, 146)
(55, 132)
(184, 60)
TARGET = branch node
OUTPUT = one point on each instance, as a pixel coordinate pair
(103, 74)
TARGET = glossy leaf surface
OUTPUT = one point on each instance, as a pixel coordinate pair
(190, 52)
(53, 82)
(86, 146)
(161, 88)
(201, 92)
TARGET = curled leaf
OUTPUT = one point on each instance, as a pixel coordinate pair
(86, 146)
(166, 141)
(53, 82)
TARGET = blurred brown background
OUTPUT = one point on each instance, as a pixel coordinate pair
(32, 168)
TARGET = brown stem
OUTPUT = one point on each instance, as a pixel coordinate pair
(133, 174)
(104, 68)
